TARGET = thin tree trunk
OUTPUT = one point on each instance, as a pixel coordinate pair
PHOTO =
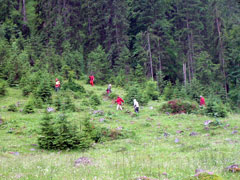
(89, 21)
(221, 53)
(150, 54)
(116, 31)
(184, 73)
(190, 58)
(24, 11)
(189, 72)
(159, 57)
(193, 61)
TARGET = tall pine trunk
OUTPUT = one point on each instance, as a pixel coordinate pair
(185, 73)
(24, 11)
(190, 55)
(221, 50)
(150, 54)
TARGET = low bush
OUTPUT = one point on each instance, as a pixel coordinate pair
(44, 91)
(205, 176)
(135, 92)
(101, 134)
(26, 90)
(68, 104)
(168, 92)
(215, 109)
(95, 100)
(74, 87)
(120, 80)
(113, 96)
(151, 90)
(85, 102)
(12, 108)
(29, 107)
(78, 95)
(178, 106)
(37, 102)
(58, 103)
(3, 88)
(59, 134)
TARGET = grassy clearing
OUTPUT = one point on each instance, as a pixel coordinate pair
(158, 149)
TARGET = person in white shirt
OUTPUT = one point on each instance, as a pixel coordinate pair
(136, 106)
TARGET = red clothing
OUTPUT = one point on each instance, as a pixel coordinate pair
(91, 80)
(202, 101)
(119, 101)
(57, 85)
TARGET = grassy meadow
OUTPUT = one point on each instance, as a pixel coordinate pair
(161, 146)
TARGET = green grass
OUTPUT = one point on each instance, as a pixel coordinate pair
(148, 153)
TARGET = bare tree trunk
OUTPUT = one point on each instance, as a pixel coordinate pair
(159, 57)
(190, 57)
(221, 53)
(150, 54)
(116, 31)
(89, 21)
(24, 11)
(189, 72)
(193, 61)
(185, 73)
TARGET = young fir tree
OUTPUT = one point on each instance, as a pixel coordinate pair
(98, 65)
(47, 135)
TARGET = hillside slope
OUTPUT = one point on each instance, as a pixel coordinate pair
(160, 146)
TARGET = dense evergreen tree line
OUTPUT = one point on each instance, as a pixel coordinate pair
(192, 43)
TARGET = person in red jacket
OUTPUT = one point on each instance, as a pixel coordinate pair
(119, 102)
(202, 101)
(57, 85)
(91, 80)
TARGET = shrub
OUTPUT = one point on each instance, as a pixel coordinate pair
(77, 95)
(100, 134)
(44, 91)
(151, 90)
(37, 102)
(160, 81)
(206, 176)
(74, 87)
(195, 89)
(29, 107)
(235, 97)
(94, 100)
(168, 92)
(178, 106)
(58, 103)
(3, 88)
(47, 134)
(64, 103)
(12, 108)
(59, 134)
(216, 109)
(85, 102)
(135, 92)
(120, 80)
(67, 104)
(113, 96)
(26, 90)
(94, 132)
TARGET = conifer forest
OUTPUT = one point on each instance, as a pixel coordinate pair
(192, 43)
